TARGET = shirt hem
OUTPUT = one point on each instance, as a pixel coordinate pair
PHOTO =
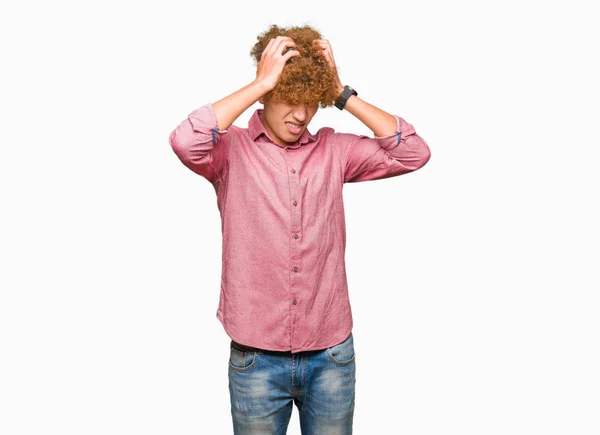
(236, 339)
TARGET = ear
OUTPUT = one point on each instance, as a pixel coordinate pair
(261, 100)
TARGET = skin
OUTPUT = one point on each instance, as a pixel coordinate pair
(276, 115)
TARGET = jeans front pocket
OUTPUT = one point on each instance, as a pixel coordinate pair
(343, 354)
(241, 360)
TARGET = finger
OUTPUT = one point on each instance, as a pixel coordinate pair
(329, 59)
(328, 52)
(281, 45)
(273, 42)
(267, 48)
(290, 49)
(290, 54)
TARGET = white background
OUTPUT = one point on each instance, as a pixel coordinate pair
(473, 281)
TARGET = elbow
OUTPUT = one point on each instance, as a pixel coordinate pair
(420, 151)
(179, 147)
(173, 140)
(425, 155)
(190, 153)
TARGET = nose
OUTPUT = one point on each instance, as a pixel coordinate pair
(300, 112)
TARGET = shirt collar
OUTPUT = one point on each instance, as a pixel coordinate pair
(256, 128)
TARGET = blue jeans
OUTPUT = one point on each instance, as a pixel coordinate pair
(263, 386)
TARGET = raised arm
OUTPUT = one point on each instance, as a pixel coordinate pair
(396, 148)
(201, 141)
(373, 158)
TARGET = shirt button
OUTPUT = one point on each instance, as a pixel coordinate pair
(294, 302)
(295, 269)
(293, 171)
(295, 236)
(295, 202)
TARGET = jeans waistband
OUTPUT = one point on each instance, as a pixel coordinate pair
(244, 348)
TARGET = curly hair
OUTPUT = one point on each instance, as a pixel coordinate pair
(305, 79)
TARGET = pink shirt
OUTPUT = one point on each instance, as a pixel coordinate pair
(283, 281)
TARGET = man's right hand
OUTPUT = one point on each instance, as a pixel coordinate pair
(271, 64)
(272, 61)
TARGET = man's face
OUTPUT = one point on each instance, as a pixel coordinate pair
(277, 118)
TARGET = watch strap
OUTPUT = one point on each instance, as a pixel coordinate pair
(340, 103)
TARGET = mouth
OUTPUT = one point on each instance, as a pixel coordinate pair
(294, 128)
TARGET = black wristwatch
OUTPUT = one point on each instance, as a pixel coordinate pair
(346, 93)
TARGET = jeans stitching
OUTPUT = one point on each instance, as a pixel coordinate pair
(241, 369)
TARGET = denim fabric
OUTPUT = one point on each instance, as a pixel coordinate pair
(264, 385)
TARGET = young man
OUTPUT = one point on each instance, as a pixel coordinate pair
(284, 295)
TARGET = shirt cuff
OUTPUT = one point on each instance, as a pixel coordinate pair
(204, 122)
(403, 129)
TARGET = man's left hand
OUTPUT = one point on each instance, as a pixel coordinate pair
(328, 54)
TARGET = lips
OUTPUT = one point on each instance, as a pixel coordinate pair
(294, 130)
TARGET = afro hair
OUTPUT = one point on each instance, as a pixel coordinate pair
(305, 79)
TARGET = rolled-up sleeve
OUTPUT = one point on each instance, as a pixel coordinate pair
(372, 158)
(200, 145)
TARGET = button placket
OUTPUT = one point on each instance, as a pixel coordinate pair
(295, 263)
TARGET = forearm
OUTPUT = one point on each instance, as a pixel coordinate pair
(228, 109)
(380, 122)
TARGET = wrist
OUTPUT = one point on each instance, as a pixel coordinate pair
(261, 86)
(347, 92)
